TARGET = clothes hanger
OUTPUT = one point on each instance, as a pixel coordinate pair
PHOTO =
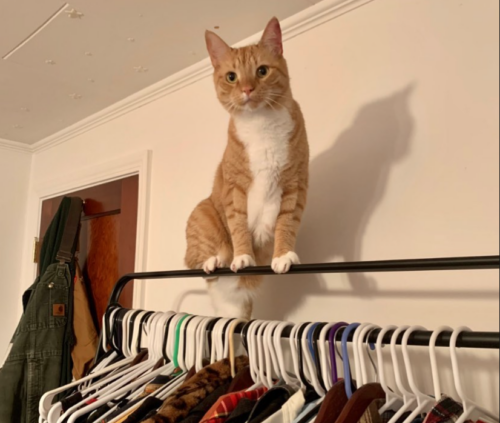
(433, 356)
(393, 401)
(360, 347)
(349, 386)
(308, 358)
(357, 346)
(264, 356)
(295, 355)
(184, 336)
(191, 344)
(270, 355)
(277, 340)
(313, 339)
(121, 384)
(359, 400)
(303, 352)
(142, 380)
(49, 411)
(326, 365)
(119, 380)
(332, 341)
(253, 354)
(409, 400)
(425, 403)
(201, 337)
(470, 407)
(232, 347)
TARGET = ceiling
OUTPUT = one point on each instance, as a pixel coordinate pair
(62, 62)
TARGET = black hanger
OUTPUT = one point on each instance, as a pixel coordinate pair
(131, 327)
(165, 339)
(210, 328)
(143, 321)
(244, 335)
(317, 355)
(188, 320)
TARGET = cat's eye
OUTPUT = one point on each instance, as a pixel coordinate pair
(262, 71)
(231, 77)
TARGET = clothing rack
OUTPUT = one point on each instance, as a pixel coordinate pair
(476, 340)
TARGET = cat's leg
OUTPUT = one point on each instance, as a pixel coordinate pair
(287, 227)
(231, 298)
(208, 244)
(236, 205)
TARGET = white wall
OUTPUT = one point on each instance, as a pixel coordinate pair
(15, 175)
(401, 101)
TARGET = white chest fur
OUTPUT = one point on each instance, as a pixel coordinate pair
(265, 135)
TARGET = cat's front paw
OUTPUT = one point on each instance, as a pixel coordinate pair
(212, 264)
(241, 262)
(284, 263)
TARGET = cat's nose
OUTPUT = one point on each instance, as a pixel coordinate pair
(248, 89)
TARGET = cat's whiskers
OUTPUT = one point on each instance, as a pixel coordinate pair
(269, 99)
(278, 95)
(268, 103)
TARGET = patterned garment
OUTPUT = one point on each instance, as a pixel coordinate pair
(223, 408)
(446, 411)
(193, 391)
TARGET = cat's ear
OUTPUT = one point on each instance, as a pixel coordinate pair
(273, 38)
(217, 48)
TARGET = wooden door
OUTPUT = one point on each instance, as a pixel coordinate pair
(107, 238)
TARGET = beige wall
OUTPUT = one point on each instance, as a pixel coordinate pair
(15, 175)
(401, 101)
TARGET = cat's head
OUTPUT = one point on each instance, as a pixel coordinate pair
(254, 77)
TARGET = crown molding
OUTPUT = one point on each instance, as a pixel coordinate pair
(15, 146)
(304, 21)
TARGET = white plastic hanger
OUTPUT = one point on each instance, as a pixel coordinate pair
(253, 353)
(433, 356)
(359, 346)
(289, 380)
(393, 401)
(295, 355)
(326, 364)
(270, 355)
(155, 328)
(201, 342)
(232, 344)
(53, 412)
(471, 409)
(131, 381)
(186, 337)
(425, 403)
(265, 370)
(357, 368)
(409, 400)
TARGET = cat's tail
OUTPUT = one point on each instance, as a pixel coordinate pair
(233, 296)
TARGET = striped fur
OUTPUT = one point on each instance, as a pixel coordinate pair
(260, 189)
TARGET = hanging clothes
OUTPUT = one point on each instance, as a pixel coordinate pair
(195, 390)
(86, 337)
(40, 355)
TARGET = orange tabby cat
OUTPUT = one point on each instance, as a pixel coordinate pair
(260, 188)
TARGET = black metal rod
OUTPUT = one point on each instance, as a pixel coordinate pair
(412, 265)
(475, 340)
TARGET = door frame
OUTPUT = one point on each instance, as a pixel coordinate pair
(138, 163)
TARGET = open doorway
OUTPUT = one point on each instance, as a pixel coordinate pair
(108, 237)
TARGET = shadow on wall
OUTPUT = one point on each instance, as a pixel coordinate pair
(347, 183)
